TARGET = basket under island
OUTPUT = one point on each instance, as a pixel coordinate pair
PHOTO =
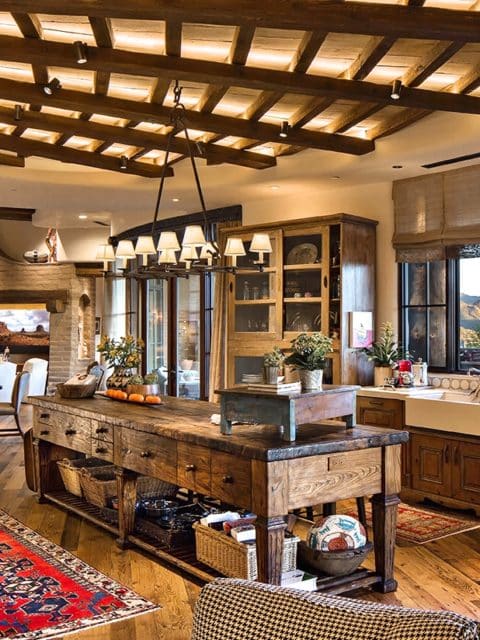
(253, 468)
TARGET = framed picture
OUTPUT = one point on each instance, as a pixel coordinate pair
(98, 326)
(361, 329)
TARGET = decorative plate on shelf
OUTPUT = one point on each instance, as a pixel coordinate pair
(305, 253)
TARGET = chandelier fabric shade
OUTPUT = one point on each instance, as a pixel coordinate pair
(198, 251)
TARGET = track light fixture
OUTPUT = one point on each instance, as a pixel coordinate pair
(396, 89)
(18, 112)
(52, 86)
(284, 129)
(80, 51)
(124, 163)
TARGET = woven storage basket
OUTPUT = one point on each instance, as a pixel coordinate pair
(76, 391)
(236, 559)
(99, 486)
(70, 471)
(151, 488)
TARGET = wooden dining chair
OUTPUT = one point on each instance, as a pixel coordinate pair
(12, 408)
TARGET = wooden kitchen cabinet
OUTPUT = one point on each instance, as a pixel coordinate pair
(447, 467)
(319, 271)
(386, 412)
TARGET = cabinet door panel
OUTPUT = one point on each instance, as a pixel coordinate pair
(466, 472)
(431, 469)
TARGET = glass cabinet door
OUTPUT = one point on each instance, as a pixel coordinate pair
(305, 281)
(254, 293)
(188, 337)
(156, 352)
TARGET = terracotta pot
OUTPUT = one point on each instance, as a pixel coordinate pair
(311, 380)
(143, 389)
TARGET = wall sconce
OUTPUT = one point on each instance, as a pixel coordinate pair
(396, 89)
(18, 112)
(124, 163)
(284, 129)
(52, 86)
(80, 51)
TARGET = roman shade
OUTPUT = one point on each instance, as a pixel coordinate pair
(437, 216)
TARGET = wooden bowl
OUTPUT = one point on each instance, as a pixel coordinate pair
(333, 563)
(76, 391)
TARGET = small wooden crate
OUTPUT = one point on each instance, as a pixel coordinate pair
(236, 559)
(70, 471)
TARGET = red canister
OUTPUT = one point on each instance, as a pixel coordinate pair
(404, 365)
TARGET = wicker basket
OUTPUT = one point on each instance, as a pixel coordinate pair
(99, 486)
(76, 391)
(236, 559)
(70, 471)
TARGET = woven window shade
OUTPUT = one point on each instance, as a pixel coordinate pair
(435, 212)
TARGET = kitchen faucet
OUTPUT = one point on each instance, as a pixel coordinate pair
(474, 394)
(473, 372)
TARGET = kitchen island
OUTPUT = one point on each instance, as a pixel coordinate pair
(252, 468)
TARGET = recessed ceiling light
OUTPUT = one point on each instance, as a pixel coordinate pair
(274, 187)
(175, 199)
(82, 216)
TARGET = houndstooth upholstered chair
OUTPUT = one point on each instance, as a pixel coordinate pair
(231, 609)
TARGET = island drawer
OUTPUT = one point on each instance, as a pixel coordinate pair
(102, 449)
(146, 453)
(102, 430)
(194, 463)
(231, 479)
(63, 429)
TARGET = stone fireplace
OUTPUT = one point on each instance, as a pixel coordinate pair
(70, 299)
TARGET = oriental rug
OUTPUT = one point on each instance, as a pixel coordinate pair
(418, 525)
(46, 592)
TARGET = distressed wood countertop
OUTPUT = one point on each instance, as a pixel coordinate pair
(189, 421)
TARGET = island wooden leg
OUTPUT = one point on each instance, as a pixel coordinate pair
(270, 533)
(40, 456)
(384, 513)
(127, 497)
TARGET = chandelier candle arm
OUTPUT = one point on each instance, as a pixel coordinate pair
(105, 253)
(234, 248)
(125, 251)
(261, 244)
(145, 247)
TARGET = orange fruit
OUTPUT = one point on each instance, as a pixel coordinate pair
(136, 397)
(153, 400)
(122, 395)
(110, 393)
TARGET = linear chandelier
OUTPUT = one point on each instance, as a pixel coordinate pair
(199, 251)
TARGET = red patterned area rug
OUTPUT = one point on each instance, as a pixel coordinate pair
(419, 525)
(46, 592)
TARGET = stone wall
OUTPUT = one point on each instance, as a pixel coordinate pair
(71, 302)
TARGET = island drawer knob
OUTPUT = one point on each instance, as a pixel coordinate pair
(70, 432)
(45, 432)
(227, 479)
(44, 416)
(101, 430)
(145, 454)
(190, 467)
(101, 450)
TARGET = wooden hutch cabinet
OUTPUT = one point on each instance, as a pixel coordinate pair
(320, 269)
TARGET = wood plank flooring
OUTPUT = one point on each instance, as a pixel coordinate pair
(444, 574)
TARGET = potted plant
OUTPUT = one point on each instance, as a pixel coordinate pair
(146, 385)
(272, 364)
(123, 355)
(308, 358)
(384, 353)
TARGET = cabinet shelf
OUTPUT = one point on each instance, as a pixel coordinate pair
(303, 300)
(255, 302)
(316, 266)
(250, 272)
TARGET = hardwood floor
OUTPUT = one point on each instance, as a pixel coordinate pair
(444, 574)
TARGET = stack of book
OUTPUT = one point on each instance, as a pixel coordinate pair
(280, 387)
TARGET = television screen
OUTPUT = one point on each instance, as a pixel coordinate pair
(25, 330)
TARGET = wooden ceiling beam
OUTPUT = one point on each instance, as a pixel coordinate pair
(307, 51)
(11, 161)
(30, 27)
(241, 44)
(308, 15)
(173, 38)
(141, 64)
(144, 111)
(368, 59)
(27, 148)
(19, 214)
(132, 137)
(440, 53)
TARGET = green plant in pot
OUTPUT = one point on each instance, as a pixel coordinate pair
(146, 385)
(384, 353)
(272, 364)
(308, 357)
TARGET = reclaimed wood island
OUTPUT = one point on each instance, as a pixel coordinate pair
(253, 468)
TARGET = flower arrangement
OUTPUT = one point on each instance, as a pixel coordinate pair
(309, 351)
(384, 352)
(126, 352)
(274, 358)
